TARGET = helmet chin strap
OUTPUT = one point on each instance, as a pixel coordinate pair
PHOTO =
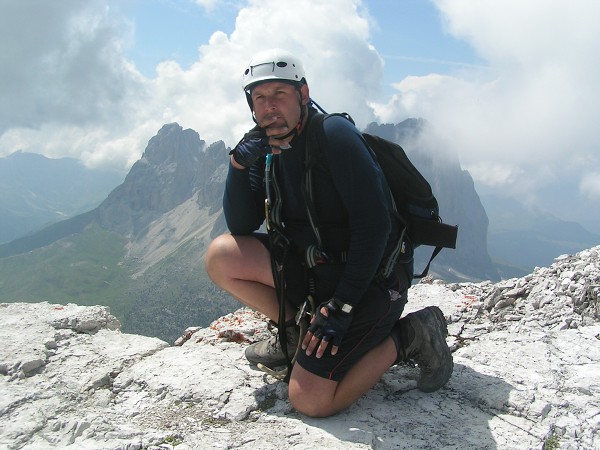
(296, 130)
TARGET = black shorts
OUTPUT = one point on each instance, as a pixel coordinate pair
(374, 316)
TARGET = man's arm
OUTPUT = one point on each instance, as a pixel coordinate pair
(365, 195)
(243, 200)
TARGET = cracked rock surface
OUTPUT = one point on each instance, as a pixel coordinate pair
(527, 375)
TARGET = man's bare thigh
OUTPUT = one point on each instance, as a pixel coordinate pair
(243, 257)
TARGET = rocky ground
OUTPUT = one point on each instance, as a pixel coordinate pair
(527, 376)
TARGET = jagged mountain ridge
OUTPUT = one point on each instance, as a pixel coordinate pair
(168, 209)
(175, 166)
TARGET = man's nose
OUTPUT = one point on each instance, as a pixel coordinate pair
(271, 104)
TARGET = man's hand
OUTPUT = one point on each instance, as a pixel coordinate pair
(260, 141)
(329, 323)
(253, 145)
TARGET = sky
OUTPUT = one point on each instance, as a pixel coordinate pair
(511, 86)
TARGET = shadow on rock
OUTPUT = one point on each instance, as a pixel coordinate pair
(465, 414)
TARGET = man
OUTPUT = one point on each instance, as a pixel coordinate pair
(355, 334)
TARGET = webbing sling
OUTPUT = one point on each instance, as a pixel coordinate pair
(279, 247)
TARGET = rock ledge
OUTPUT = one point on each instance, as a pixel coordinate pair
(527, 374)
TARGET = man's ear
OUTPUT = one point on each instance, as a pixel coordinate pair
(305, 94)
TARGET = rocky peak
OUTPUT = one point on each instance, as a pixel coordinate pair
(173, 145)
(527, 375)
(173, 167)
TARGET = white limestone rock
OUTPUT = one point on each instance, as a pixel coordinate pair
(527, 371)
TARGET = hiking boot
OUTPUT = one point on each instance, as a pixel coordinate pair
(270, 353)
(421, 337)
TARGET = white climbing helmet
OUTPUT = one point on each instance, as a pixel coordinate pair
(275, 64)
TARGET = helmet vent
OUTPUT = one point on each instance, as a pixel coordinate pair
(272, 65)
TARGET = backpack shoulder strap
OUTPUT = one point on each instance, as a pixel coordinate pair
(315, 143)
(313, 140)
(316, 136)
(311, 158)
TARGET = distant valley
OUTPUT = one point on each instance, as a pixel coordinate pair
(36, 191)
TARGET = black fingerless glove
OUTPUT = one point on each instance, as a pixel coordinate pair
(253, 145)
(333, 326)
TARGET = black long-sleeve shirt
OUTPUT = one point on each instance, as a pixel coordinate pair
(352, 201)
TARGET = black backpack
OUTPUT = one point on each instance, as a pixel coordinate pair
(414, 203)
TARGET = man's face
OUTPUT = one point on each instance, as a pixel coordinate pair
(277, 104)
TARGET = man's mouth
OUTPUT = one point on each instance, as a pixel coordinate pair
(276, 121)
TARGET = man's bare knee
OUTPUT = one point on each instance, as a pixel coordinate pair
(310, 394)
(310, 406)
(231, 257)
(215, 252)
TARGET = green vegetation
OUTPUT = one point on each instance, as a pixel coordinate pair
(172, 441)
(551, 443)
(173, 295)
(85, 269)
(91, 268)
(215, 421)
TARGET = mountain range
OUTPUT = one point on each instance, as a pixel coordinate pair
(36, 191)
(529, 237)
(140, 250)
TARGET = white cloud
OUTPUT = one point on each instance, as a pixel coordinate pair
(62, 63)
(208, 5)
(530, 118)
(76, 90)
(590, 186)
(496, 174)
(527, 119)
(208, 96)
(66, 88)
